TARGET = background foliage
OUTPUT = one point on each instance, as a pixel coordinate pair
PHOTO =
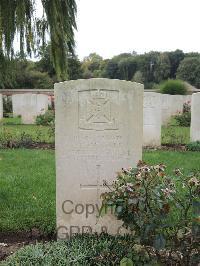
(151, 69)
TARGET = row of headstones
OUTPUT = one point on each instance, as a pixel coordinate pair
(99, 131)
(158, 109)
(28, 106)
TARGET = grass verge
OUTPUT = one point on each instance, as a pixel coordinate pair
(27, 185)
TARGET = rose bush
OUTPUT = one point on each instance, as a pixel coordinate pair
(159, 208)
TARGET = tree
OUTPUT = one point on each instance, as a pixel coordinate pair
(7, 72)
(146, 64)
(189, 70)
(18, 17)
(162, 68)
(127, 68)
(45, 64)
(91, 65)
(122, 66)
(111, 70)
(138, 77)
(74, 65)
(28, 77)
(175, 58)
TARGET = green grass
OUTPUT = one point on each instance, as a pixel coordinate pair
(27, 190)
(188, 161)
(27, 185)
(175, 135)
(37, 133)
(171, 134)
(11, 121)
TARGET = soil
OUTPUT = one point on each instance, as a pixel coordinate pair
(43, 146)
(168, 147)
(11, 242)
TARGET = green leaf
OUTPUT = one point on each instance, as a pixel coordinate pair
(126, 262)
(159, 241)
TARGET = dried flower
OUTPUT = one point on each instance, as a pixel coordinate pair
(193, 181)
(145, 169)
(138, 176)
(178, 172)
(138, 248)
(167, 192)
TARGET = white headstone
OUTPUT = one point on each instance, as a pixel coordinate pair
(1, 106)
(42, 103)
(17, 100)
(99, 124)
(195, 117)
(166, 108)
(172, 105)
(176, 104)
(29, 106)
(152, 119)
(187, 98)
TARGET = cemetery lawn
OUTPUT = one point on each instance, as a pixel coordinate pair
(171, 134)
(14, 128)
(27, 185)
(27, 190)
(175, 135)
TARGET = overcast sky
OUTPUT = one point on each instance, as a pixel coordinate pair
(110, 27)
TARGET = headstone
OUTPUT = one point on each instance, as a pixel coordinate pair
(17, 101)
(99, 124)
(1, 106)
(166, 108)
(50, 101)
(42, 103)
(176, 104)
(152, 119)
(29, 106)
(172, 105)
(195, 117)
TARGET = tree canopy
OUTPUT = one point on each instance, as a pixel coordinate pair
(19, 18)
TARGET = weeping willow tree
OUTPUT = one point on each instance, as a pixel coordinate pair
(18, 18)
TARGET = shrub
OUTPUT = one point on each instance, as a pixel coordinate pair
(21, 139)
(173, 87)
(157, 207)
(184, 119)
(99, 250)
(193, 146)
(46, 119)
(10, 140)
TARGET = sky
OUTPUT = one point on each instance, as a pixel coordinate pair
(111, 27)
